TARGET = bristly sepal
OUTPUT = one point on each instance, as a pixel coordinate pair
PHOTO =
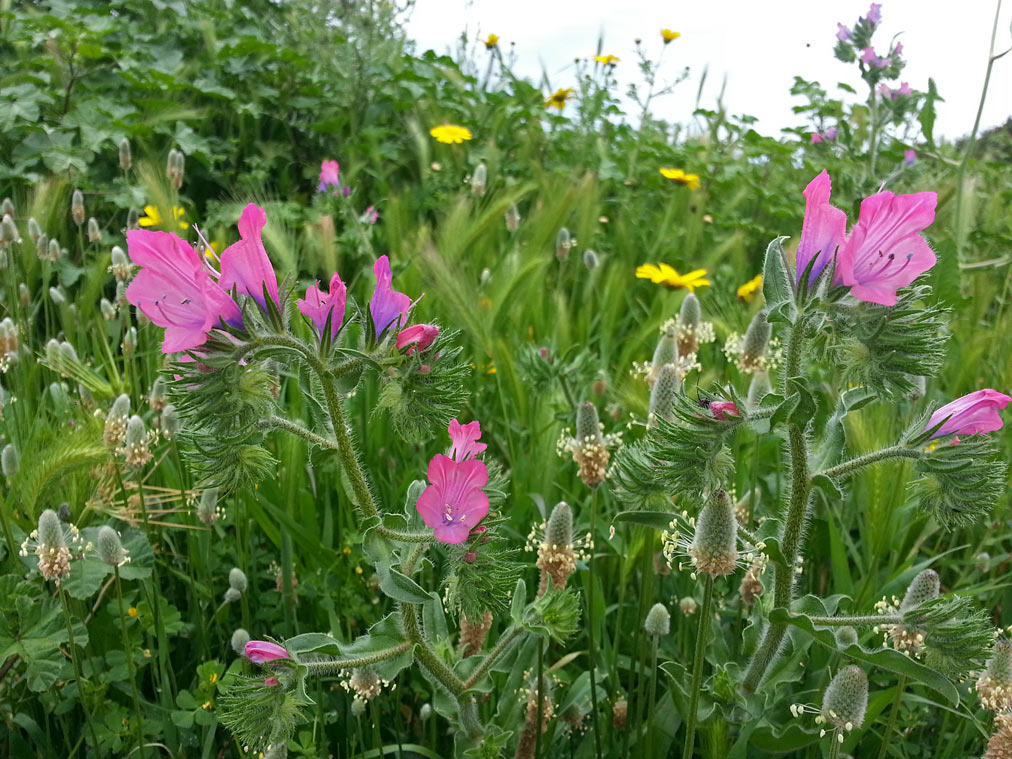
(960, 482)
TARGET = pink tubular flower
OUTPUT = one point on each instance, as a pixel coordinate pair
(905, 89)
(830, 134)
(868, 55)
(245, 265)
(973, 414)
(454, 502)
(816, 138)
(881, 63)
(909, 156)
(898, 50)
(175, 291)
(823, 229)
(464, 440)
(387, 305)
(724, 410)
(317, 306)
(371, 215)
(272, 681)
(874, 13)
(885, 250)
(330, 176)
(842, 32)
(418, 336)
(261, 651)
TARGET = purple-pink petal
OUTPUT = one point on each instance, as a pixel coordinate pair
(318, 305)
(823, 229)
(868, 55)
(464, 440)
(842, 32)
(330, 175)
(885, 250)
(973, 414)
(454, 502)
(245, 265)
(874, 13)
(260, 651)
(418, 336)
(387, 305)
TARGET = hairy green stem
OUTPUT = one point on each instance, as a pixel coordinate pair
(859, 462)
(705, 613)
(426, 656)
(77, 671)
(130, 666)
(326, 667)
(866, 620)
(749, 537)
(503, 644)
(297, 429)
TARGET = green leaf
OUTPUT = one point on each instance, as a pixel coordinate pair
(777, 277)
(519, 602)
(927, 115)
(886, 658)
(659, 520)
(318, 643)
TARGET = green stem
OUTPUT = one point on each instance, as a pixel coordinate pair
(859, 462)
(697, 666)
(297, 429)
(426, 656)
(128, 653)
(893, 715)
(653, 695)
(749, 537)
(77, 670)
(834, 746)
(503, 644)
(541, 699)
(867, 620)
(591, 650)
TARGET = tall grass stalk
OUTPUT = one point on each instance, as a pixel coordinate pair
(128, 653)
(77, 670)
(705, 612)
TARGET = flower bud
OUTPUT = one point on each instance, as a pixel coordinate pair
(34, 230)
(237, 579)
(923, 588)
(9, 230)
(42, 247)
(129, 344)
(156, 398)
(757, 337)
(479, 178)
(691, 313)
(758, 388)
(658, 621)
(24, 295)
(10, 461)
(7, 207)
(67, 353)
(994, 686)
(846, 698)
(58, 392)
(133, 219)
(116, 421)
(207, 509)
(110, 547)
(55, 251)
(239, 640)
(357, 707)
(846, 636)
(512, 218)
(64, 512)
(592, 454)
(108, 309)
(77, 207)
(136, 443)
(169, 421)
(714, 546)
(56, 296)
(425, 712)
(559, 531)
(662, 395)
(562, 244)
(125, 156)
(94, 233)
(232, 595)
(666, 352)
(591, 259)
(51, 530)
(688, 606)
(174, 168)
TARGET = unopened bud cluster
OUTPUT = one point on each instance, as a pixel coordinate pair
(589, 448)
(846, 700)
(110, 547)
(237, 585)
(558, 552)
(756, 351)
(54, 544)
(994, 686)
(910, 640)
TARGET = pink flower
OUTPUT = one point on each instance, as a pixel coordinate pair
(724, 410)
(842, 32)
(318, 306)
(464, 440)
(868, 55)
(271, 681)
(885, 250)
(387, 305)
(418, 336)
(909, 156)
(175, 290)
(823, 229)
(973, 414)
(884, 91)
(454, 502)
(881, 63)
(905, 89)
(898, 50)
(371, 215)
(874, 13)
(260, 651)
(330, 176)
(245, 265)
(830, 134)
(816, 138)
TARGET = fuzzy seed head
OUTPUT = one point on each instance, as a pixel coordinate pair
(133, 219)
(923, 588)
(108, 309)
(473, 634)
(563, 243)
(232, 595)
(51, 530)
(846, 698)
(714, 546)
(169, 421)
(156, 399)
(365, 683)
(425, 712)
(116, 421)
(758, 388)
(619, 714)
(994, 686)
(690, 313)
(94, 232)
(125, 156)
(667, 383)
(239, 640)
(55, 251)
(666, 352)
(119, 265)
(42, 247)
(590, 451)
(34, 230)
(110, 547)
(57, 296)
(658, 621)
(208, 511)
(237, 579)
(591, 259)
(560, 525)
(688, 606)
(7, 207)
(512, 218)
(8, 230)
(757, 337)
(77, 207)
(10, 461)
(479, 179)
(1000, 745)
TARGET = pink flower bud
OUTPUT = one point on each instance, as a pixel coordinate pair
(260, 651)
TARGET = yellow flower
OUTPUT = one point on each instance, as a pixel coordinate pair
(558, 98)
(607, 60)
(449, 133)
(667, 35)
(154, 217)
(492, 41)
(748, 290)
(147, 653)
(662, 274)
(347, 550)
(132, 611)
(678, 175)
(214, 677)
(206, 705)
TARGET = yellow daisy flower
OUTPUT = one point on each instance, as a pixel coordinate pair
(492, 41)
(667, 35)
(558, 98)
(748, 290)
(154, 217)
(449, 133)
(607, 60)
(662, 274)
(678, 175)
(132, 611)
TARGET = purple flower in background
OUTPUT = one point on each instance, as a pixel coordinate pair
(346, 191)
(898, 50)
(330, 176)
(830, 134)
(885, 250)
(260, 651)
(973, 414)
(245, 265)
(868, 55)
(881, 63)
(454, 502)
(874, 13)
(823, 229)
(387, 304)
(905, 89)
(464, 440)
(842, 32)
(816, 138)
(909, 156)
(317, 306)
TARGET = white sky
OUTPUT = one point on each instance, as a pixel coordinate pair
(759, 44)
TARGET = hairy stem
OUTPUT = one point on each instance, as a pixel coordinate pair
(298, 430)
(866, 620)
(697, 666)
(503, 644)
(426, 656)
(859, 462)
(325, 667)
(749, 537)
